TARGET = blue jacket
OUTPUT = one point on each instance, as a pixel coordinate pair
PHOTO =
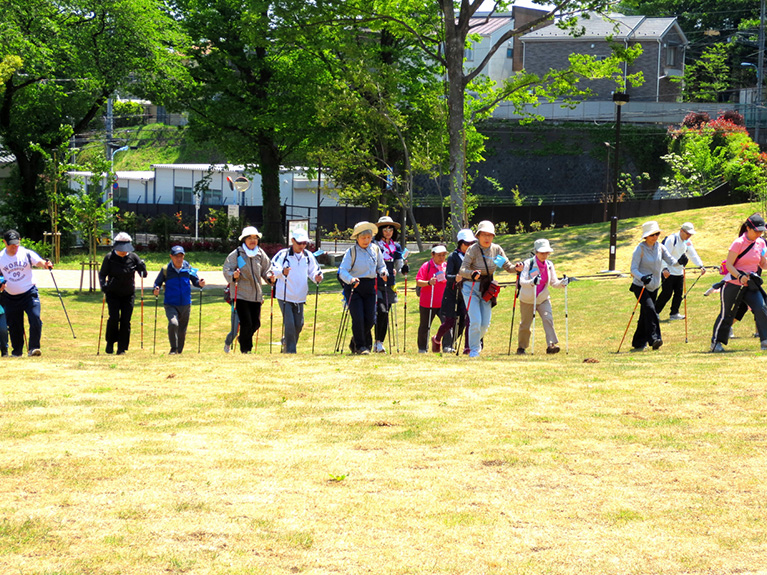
(178, 289)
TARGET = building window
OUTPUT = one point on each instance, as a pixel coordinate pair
(510, 53)
(213, 198)
(183, 196)
(120, 194)
(468, 53)
(671, 56)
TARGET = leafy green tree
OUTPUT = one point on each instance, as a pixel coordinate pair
(74, 56)
(708, 77)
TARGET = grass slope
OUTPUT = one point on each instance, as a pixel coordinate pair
(639, 463)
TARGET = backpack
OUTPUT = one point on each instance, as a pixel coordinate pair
(376, 251)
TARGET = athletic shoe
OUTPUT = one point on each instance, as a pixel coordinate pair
(436, 346)
(364, 351)
(423, 351)
(121, 352)
(732, 333)
(521, 351)
(448, 350)
(553, 348)
(173, 352)
(764, 345)
(379, 347)
(110, 348)
(656, 344)
(708, 292)
(674, 316)
(35, 353)
(716, 347)
(640, 348)
(227, 348)
(474, 354)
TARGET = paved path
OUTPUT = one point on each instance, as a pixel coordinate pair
(70, 279)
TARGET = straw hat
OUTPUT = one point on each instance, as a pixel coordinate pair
(384, 221)
(364, 227)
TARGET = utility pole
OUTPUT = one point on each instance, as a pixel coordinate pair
(760, 72)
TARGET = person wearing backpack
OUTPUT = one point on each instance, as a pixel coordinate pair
(117, 280)
(679, 245)
(248, 265)
(453, 308)
(538, 274)
(292, 267)
(646, 264)
(431, 280)
(386, 240)
(361, 265)
(742, 283)
(480, 292)
(178, 277)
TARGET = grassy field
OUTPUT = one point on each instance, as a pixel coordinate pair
(638, 463)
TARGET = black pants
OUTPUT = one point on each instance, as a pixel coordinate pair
(648, 325)
(15, 308)
(249, 313)
(362, 308)
(118, 325)
(671, 286)
(729, 296)
(385, 298)
(428, 315)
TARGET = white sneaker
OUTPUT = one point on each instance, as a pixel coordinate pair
(732, 333)
(708, 292)
(227, 348)
(716, 347)
(448, 350)
(764, 345)
(676, 316)
(35, 353)
(379, 347)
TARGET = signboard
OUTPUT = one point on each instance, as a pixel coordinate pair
(233, 211)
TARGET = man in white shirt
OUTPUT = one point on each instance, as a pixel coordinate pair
(291, 268)
(681, 249)
(20, 293)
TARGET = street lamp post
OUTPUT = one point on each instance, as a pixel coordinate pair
(620, 98)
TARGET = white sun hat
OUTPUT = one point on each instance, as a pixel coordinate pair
(650, 228)
(300, 235)
(486, 226)
(466, 235)
(542, 246)
(249, 231)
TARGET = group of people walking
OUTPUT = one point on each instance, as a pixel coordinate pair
(459, 290)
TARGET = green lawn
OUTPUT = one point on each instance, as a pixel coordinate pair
(209, 463)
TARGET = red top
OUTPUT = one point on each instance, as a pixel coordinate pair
(429, 270)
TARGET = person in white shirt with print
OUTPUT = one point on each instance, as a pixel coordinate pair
(679, 245)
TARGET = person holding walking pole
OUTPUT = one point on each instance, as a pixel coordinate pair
(117, 279)
(431, 282)
(481, 261)
(292, 267)
(453, 307)
(248, 265)
(233, 319)
(20, 294)
(178, 277)
(395, 259)
(742, 283)
(538, 274)
(646, 264)
(679, 245)
(361, 265)
(3, 325)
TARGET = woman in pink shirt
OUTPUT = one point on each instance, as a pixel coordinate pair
(432, 281)
(742, 284)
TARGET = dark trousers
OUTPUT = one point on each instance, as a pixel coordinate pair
(447, 332)
(178, 321)
(15, 308)
(671, 286)
(3, 335)
(249, 313)
(385, 298)
(648, 325)
(428, 315)
(362, 308)
(118, 324)
(731, 297)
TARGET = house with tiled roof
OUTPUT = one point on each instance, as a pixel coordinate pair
(663, 49)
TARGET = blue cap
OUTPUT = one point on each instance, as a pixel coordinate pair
(175, 250)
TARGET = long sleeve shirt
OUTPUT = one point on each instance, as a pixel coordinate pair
(294, 288)
(676, 246)
(482, 260)
(361, 263)
(647, 260)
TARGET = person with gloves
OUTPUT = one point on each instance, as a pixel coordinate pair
(646, 264)
(679, 245)
(395, 259)
(453, 309)
(117, 281)
(537, 275)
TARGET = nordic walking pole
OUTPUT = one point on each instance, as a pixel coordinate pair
(199, 326)
(631, 318)
(684, 288)
(285, 303)
(532, 345)
(388, 316)
(314, 325)
(271, 318)
(514, 310)
(154, 343)
(101, 326)
(50, 269)
(142, 311)
(567, 323)
(404, 320)
(431, 306)
(234, 311)
(466, 324)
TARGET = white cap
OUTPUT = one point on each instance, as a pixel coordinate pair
(299, 235)
(688, 227)
(486, 226)
(439, 249)
(649, 228)
(542, 246)
(249, 231)
(466, 235)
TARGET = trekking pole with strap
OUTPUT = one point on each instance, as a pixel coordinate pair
(513, 311)
(466, 323)
(101, 326)
(431, 306)
(631, 318)
(388, 315)
(271, 317)
(154, 342)
(404, 320)
(314, 325)
(684, 289)
(50, 269)
(142, 310)
(567, 320)
(199, 326)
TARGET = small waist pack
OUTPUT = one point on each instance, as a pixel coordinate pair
(227, 295)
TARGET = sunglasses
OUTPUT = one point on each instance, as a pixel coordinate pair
(653, 235)
(301, 243)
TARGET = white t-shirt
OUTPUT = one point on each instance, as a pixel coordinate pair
(17, 270)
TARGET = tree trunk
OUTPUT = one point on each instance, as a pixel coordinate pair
(270, 191)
